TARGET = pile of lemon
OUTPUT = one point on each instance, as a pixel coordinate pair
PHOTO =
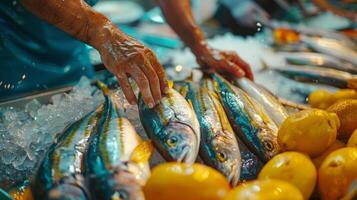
(319, 160)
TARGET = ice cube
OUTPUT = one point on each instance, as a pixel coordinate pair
(7, 156)
(20, 158)
(32, 107)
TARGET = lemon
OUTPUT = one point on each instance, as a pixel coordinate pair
(293, 167)
(352, 142)
(323, 99)
(319, 159)
(337, 172)
(320, 99)
(265, 190)
(308, 131)
(177, 181)
(347, 112)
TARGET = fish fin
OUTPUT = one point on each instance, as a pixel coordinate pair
(103, 87)
(170, 84)
(142, 152)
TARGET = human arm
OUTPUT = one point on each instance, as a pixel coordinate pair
(179, 16)
(122, 55)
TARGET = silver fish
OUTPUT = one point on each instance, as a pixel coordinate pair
(318, 59)
(60, 173)
(331, 47)
(117, 162)
(316, 75)
(275, 110)
(248, 119)
(219, 148)
(173, 127)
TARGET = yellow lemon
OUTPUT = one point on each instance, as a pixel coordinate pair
(320, 99)
(337, 172)
(265, 189)
(293, 167)
(177, 181)
(308, 131)
(352, 142)
(347, 112)
(319, 159)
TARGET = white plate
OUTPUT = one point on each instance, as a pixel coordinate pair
(120, 12)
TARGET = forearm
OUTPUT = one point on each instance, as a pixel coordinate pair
(178, 15)
(74, 17)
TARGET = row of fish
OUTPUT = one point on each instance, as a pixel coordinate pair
(98, 157)
(227, 127)
(333, 60)
(102, 157)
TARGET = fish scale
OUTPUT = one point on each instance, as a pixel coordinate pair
(117, 159)
(172, 126)
(215, 125)
(248, 119)
(63, 162)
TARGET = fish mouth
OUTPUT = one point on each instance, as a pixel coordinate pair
(186, 156)
(234, 176)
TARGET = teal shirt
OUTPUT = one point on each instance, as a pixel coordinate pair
(35, 55)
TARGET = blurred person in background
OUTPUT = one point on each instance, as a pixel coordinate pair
(40, 47)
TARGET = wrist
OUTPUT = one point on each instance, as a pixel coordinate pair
(99, 29)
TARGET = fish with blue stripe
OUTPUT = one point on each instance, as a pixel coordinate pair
(248, 119)
(172, 126)
(117, 161)
(60, 173)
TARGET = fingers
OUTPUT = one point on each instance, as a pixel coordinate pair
(143, 83)
(126, 87)
(154, 82)
(233, 57)
(159, 71)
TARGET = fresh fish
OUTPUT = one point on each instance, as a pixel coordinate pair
(117, 160)
(59, 175)
(218, 147)
(317, 75)
(275, 110)
(318, 59)
(248, 119)
(331, 47)
(173, 127)
(289, 89)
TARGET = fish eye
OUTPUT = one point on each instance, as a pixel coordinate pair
(269, 145)
(172, 141)
(221, 156)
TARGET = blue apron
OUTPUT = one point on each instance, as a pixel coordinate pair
(35, 55)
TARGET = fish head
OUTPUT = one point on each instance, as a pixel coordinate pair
(125, 185)
(180, 142)
(226, 156)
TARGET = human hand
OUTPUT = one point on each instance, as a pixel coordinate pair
(126, 57)
(225, 62)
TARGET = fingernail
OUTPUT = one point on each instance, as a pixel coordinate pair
(150, 105)
(157, 102)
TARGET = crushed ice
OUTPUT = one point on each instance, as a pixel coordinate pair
(26, 134)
